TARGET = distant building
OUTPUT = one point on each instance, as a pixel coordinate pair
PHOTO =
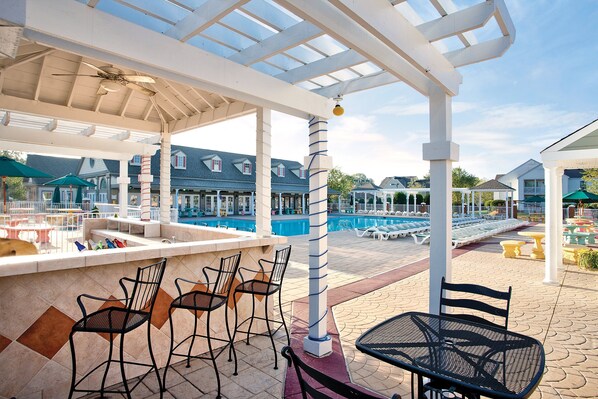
(528, 180)
(199, 177)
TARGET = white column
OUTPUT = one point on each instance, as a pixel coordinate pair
(123, 188)
(407, 202)
(263, 178)
(375, 199)
(414, 202)
(280, 203)
(480, 204)
(218, 203)
(251, 205)
(339, 203)
(365, 201)
(441, 152)
(165, 176)
(145, 179)
(552, 238)
(303, 203)
(462, 204)
(559, 215)
(472, 202)
(392, 202)
(318, 163)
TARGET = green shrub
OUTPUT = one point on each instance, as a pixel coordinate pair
(588, 259)
(498, 202)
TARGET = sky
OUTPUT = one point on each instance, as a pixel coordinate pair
(508, 109)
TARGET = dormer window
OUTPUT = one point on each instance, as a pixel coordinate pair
(302, 173)
(247, 168)
(136, 160)
(216, 165)
(280, 170)
(180, 161)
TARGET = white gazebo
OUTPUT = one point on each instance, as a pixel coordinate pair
(577, 150)
(151, 69)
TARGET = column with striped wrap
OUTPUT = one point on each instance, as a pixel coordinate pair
(165, 148)
(145, 180)
(318, 163)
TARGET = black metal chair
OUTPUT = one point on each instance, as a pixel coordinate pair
(268, 284)
(216, 295)
(124, 316)
(321, 386)
(448, 300)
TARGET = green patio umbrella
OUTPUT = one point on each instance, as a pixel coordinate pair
(56, 195)
(70, 181)
(79, 196)
(535, 198)
(580, 196)
(11, 168)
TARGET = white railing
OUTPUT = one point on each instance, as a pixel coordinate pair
(54, 228)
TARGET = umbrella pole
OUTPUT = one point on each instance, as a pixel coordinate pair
(4, 191)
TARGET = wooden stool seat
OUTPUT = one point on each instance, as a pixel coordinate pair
(511, 248)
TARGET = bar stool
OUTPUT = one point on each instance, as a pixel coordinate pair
(269, 283)
(137, 310)
(205, 301)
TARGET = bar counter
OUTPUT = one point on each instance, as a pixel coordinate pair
(38, 299)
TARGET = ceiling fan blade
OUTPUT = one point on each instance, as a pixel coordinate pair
(101, 91)
(141, 89)
(93, 67)
(139, 79)
(74, 74)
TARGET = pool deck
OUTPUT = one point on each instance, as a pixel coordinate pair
(372, 280)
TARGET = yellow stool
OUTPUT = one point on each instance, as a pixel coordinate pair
(511, 248)
(571, 254)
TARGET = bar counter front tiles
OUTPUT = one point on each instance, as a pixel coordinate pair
(38, 305)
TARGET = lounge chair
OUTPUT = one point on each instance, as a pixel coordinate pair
(367, 232)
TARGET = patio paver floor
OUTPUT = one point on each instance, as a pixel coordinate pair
(561, 316)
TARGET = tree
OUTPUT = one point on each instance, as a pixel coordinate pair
(462, 179)
(341, 182)
(590, 177)
(14, 185)
(360, 178)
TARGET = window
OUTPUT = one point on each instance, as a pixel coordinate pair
(280, 170)
(216, 165)
(302, 173)
(180, 161)
(246, 168)
(136, 160)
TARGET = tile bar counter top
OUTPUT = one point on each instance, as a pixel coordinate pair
(38, 303)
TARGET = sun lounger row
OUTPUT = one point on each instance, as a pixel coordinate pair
(397, 213)
(397, 230)
(469, 234)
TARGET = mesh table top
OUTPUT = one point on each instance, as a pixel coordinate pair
(493, 362)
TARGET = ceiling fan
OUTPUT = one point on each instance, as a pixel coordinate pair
(113, 79)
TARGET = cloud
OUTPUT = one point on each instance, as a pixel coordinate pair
(422, 108)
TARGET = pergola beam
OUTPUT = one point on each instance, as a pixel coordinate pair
(479, 52)
(205, 15)
(324, 66)
(284, 40)
(458, 22)
(74, 114)
(225, 111)
(325, 15)
(151, 52)
(37, 140)
(359, 84)
(380, 19)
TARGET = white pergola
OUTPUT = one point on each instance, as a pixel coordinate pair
(578, 150)
(211, 60)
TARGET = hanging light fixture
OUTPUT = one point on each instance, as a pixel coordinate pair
(338, 110)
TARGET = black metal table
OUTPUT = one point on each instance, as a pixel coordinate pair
(469, 356)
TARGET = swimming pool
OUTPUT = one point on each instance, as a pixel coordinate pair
(295, 227)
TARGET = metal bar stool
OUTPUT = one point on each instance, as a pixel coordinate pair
(268, 284)
(216, 296)
(137, 310)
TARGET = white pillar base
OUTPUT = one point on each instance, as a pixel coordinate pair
(319, 348)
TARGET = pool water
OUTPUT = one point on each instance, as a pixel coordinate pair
(295, 227)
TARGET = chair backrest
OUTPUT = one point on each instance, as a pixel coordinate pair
(226, 274)
(497, 297)
(281, 261)
(321, 386)
(145, 288)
